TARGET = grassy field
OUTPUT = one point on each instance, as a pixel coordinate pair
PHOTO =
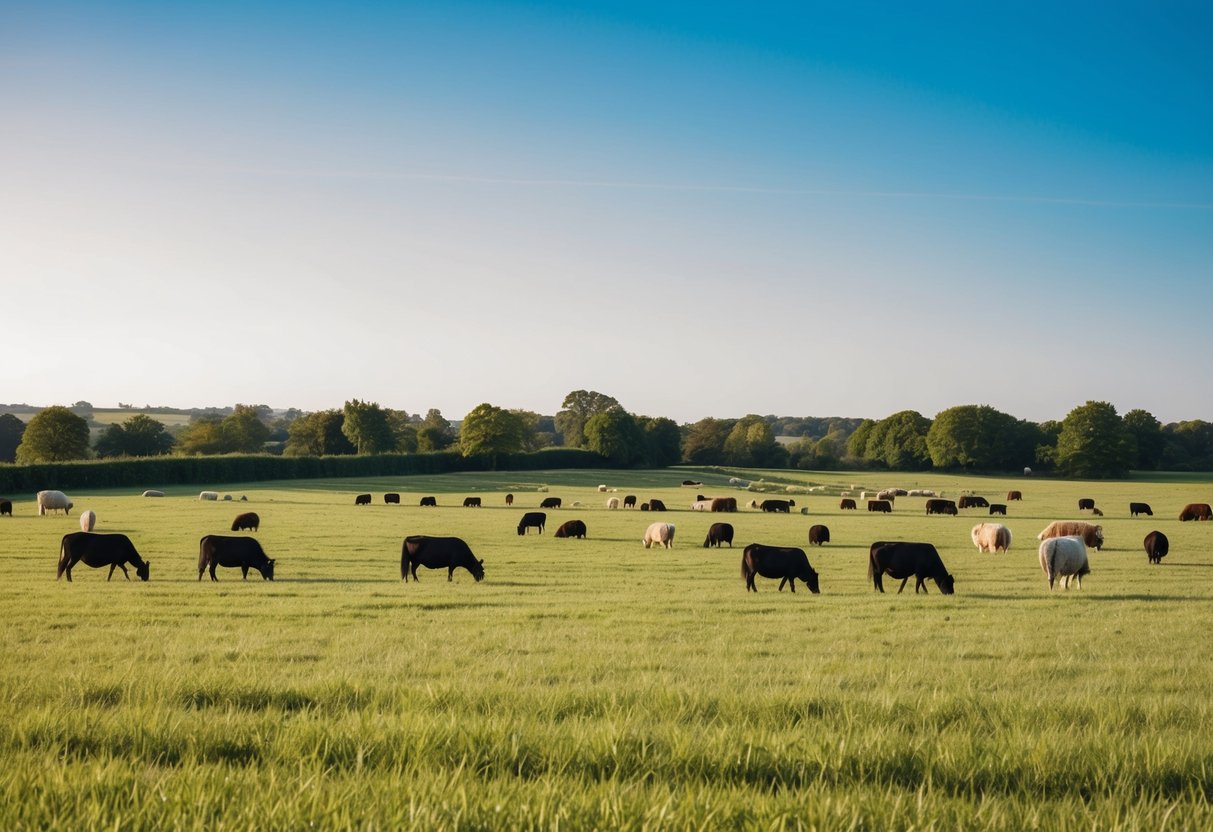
(597, 684)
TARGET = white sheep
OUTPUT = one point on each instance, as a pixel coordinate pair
(53, 501)
(88, 519)
(662, 533)
(613, 503)
(1064, 558)
(152, 493)
(208, 495)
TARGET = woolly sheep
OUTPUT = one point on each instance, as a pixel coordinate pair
(1091, 535)
(602, 488)
(208, 495)
(53, 501)
(662, 533)
(991, 537)
(1063, 559)
(153, 493)
(88, 519)
(613, 503)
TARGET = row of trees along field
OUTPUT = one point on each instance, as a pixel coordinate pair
(1092, 440)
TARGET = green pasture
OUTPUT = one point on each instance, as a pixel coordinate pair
(596, 684)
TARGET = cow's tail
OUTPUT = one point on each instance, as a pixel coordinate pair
(872, 567)
(202, 558)
(63, 558)
(404, 561)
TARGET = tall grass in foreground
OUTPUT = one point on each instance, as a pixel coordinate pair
(596, 684)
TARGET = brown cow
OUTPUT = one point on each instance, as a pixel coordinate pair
(571, 528)
(509, 499)
(1012, 496)
(249, 520)
(818, 535)
(1196, 511)
(880, 505)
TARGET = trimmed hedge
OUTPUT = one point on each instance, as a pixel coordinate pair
(150, 472)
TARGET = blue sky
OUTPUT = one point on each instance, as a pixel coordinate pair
(701, 209)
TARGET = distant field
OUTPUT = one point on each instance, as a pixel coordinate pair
(114, 417)
(597, 684)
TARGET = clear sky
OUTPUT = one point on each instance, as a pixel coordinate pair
(702, 209)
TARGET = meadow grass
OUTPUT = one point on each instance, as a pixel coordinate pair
(597, 684)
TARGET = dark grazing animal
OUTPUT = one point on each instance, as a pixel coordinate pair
(940, 506)
(644, 506)
(846, 504)
(998, 508)
(972, 501)
(6, 507)
(786, 563)
(629, 501)
(1097, 512)
(903, 560)
(1140, 508)
(691, 483)
(1157, 546)
(783, 506)
(391, 499)
(243, 552)
(818, 535)
(509, 499)
(571, 528)
(431, 502)
(719, 533)
(249, 520)
(362, 500)
(1085, 503)
(97, 550)
(1196, 511)
(550, 502)
(471, 502)
(447, 553)
(725, 504)
(656, 505)
(532, 519)
(880, 505)
(1012, 496)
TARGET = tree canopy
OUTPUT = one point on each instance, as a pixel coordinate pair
(318, 434)
(1094, 442)
(55, 434)
(140, 435)
(11, 431)
(490, 431)
(368, 428)
(576, 410)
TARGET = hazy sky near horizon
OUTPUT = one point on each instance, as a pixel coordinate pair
(702, 209)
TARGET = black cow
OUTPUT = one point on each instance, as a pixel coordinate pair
(1012, 496)
(532, 519)
(249, 520)
(656, 505)
(719, 533)
(6, 507)
(973, 501)
(880, 505)
(903, 560)
(97, 550)
(818, 535)
(471, 502)
(998, 508)
(783, 506)
(431, 502)
(1140, 508)
(846, 504)
(629, 501)
(571, 528)
(1157, 546)
(447, 553)
(1085, 503)
(644, 506)
(785, 563)
(391, 499)
(244, 552)
(939, 506)
(362, 500)
(550, 502)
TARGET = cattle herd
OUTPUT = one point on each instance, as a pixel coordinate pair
(1062, 551)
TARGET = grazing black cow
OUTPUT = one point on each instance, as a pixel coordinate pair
(818, 535)
(691, 483)
(940, 506)
(1085, 503)
(783, 562)
(903, 560)
(1012, 496)
(998, 508)
(571, 528)
(644, 506)
(509, 499)
(362, 500)
(656, 505)
(471, 502)
(880, 505)
(97, 550)
(1157, 546)
(244, 552)
(1140, 508)
(973, 501)
(532, 519)
(629, 501)
(846, 504)
(1196, 511)
(550, 502)
(391, 499)
(431, 502)
(249, 520)
(719, 533)
(6, 507)
(447, 553)
(783, 506)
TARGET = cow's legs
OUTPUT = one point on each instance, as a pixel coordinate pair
(113, 566)
(244, 571)
(903, 584)
(792, 584)
(450, 574)
(214, 577)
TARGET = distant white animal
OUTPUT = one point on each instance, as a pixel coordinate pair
(208, 495)
(88, 519)
(153, 493)
(613, 503)
(701, 505)
(662, 533)
(602, 488)
(53, 501)
(1063, 559)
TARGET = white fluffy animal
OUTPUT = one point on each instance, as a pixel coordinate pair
(602, 488)
(208, 495)
(662, 533)
(153, 493)
(991, 537)
(53, 501)
(613, 503)
(1063, 559)
(88, 519)
(701, 505)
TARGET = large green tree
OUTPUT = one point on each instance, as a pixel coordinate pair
(663, 441)
(54, 434)
(203, 435)
(490, 431)
(980, 438)
(704, 442)
(751, 444)
(140, 435)
(368, 428)
(576, 410)
(1148, 436)
(11, 431)
(435, 432)
(899, 441)
(615, 435)
(245, 430)
(318, 434)
(1094, 442)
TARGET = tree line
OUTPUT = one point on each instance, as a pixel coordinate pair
(1091, 441)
